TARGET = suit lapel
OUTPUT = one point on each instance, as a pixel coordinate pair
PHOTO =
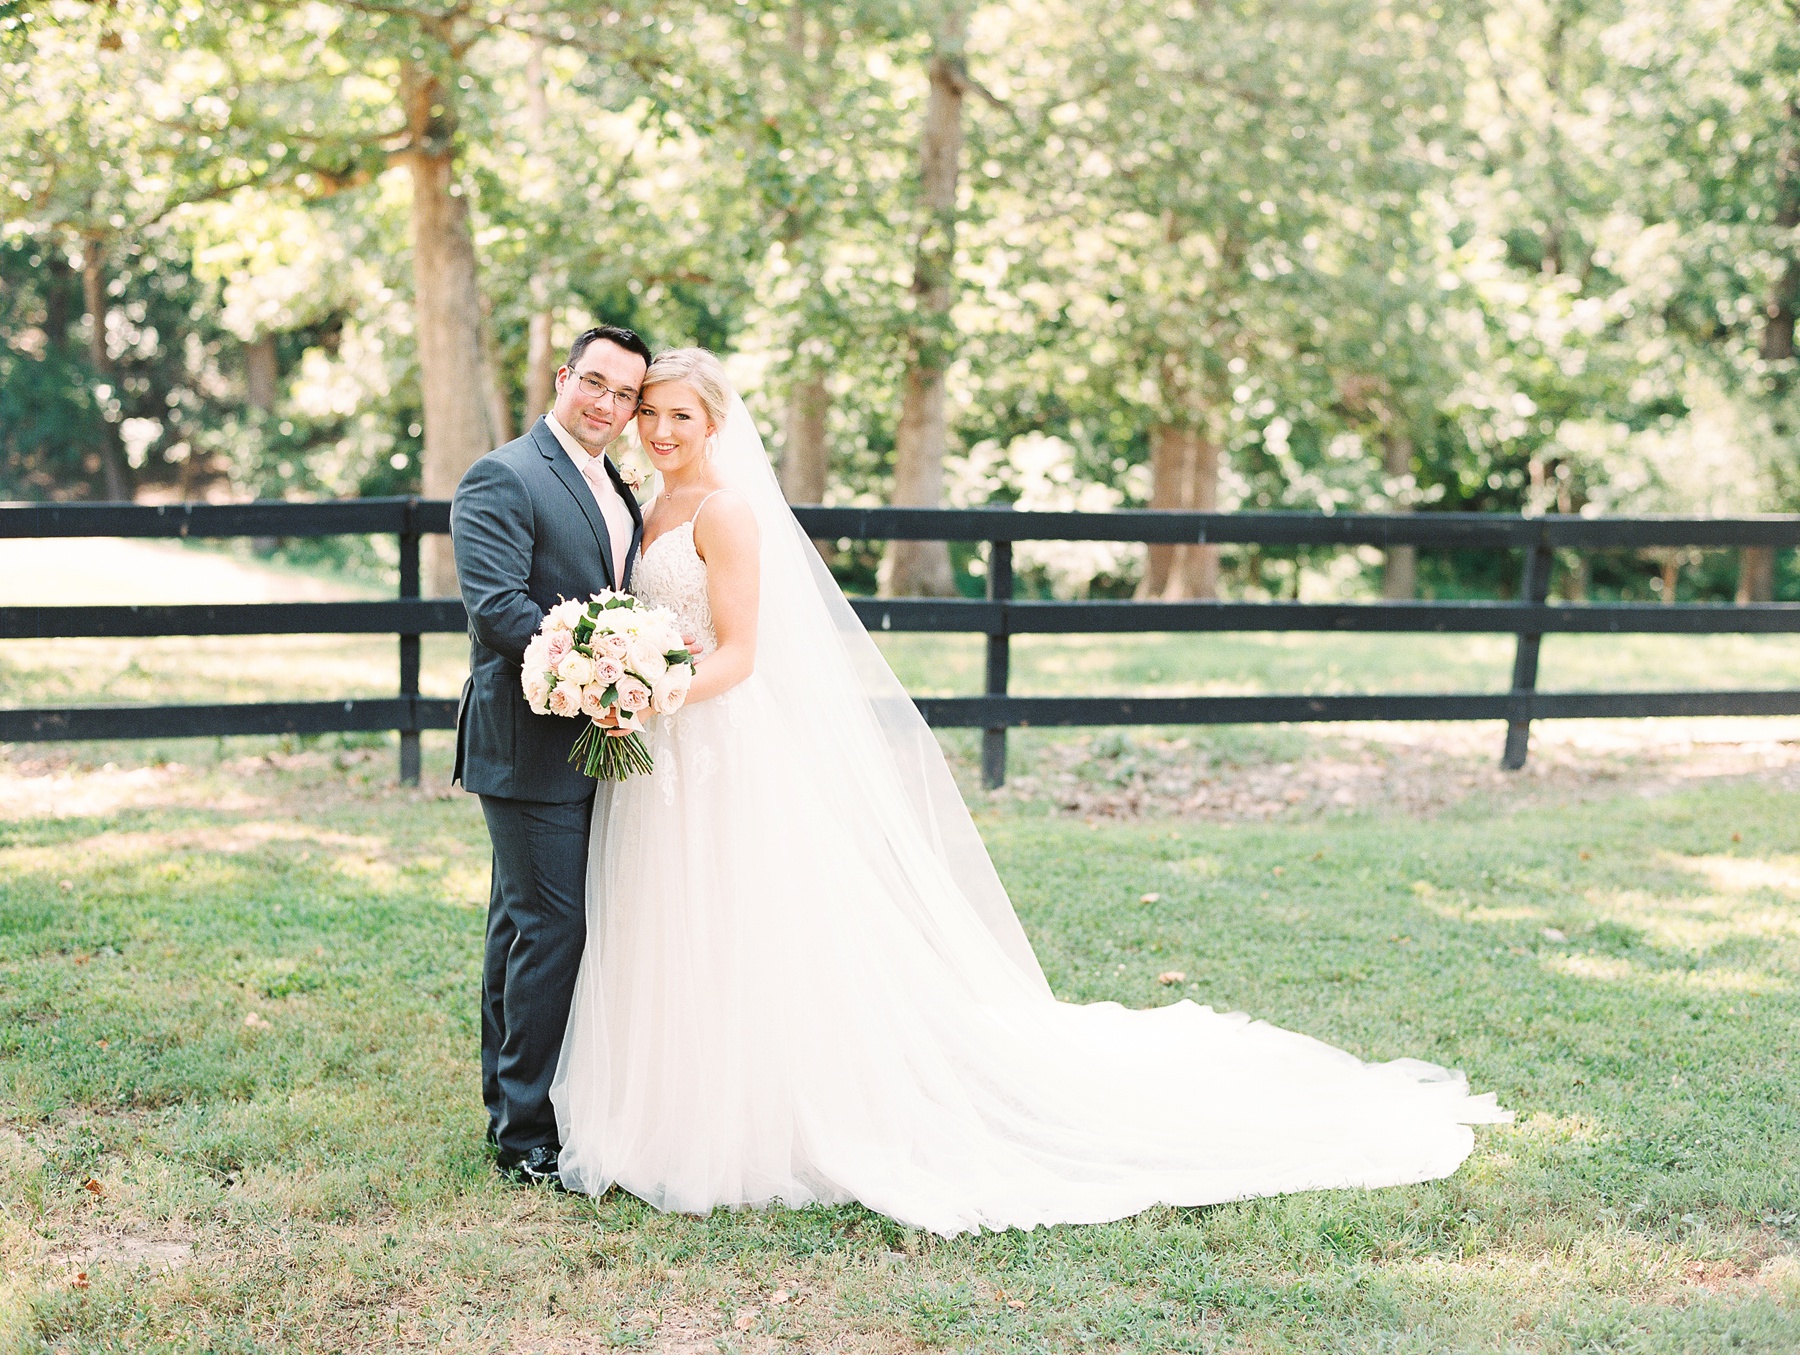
(570, 475)
(637, 521)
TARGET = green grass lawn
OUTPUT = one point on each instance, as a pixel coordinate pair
(1619, 967)
(320, 667)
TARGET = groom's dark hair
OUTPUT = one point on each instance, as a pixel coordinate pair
(613, 334)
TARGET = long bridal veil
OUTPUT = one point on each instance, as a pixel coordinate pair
(805, 983)
(852, 718)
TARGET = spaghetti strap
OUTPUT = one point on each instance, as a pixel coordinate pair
(695, 519)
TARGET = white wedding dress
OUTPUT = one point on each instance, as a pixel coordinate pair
(803, 982)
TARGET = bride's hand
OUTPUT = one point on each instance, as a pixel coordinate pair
(610, 723)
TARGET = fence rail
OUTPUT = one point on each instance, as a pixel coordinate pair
(998, 617)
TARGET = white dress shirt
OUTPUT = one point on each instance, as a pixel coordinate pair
(606, 495)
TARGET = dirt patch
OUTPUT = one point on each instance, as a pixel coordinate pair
(128, 1251)
(1410, 769)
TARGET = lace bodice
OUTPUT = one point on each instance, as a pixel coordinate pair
(671, 574)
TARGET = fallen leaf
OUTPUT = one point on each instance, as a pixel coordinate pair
(1149, 898)
(1277, 870)
(1737, 837)
(744, 1320)
(65, 885)
(93, 1187)
(100, 1043)
(80, 1281)
(1171, 976)
(1587, 856)
(256, 1022)
(1016, 1303)
(1318, 856)
(780, 1296)
(1555, 934)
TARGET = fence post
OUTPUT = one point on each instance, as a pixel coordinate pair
(1534, 587)
(409, 645)
(999, 661)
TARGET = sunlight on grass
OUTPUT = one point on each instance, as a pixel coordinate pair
(316, 667)
(313, 1178)
(1230, 663)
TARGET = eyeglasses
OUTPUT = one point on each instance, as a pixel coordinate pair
(596, 389)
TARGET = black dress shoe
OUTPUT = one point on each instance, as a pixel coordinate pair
(533, 1167)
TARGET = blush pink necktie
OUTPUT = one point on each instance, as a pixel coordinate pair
(612, 508)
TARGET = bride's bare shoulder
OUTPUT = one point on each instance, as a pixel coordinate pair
(726, 526)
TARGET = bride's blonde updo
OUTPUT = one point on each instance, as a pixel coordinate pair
(701, 370)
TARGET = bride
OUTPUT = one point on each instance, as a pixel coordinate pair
(804, 981)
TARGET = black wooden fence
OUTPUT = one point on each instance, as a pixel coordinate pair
(999, 617)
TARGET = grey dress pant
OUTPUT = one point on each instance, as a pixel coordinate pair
(536, 930)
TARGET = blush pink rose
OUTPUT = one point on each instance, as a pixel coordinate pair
(561, 645)
(633, 695)
(670, 694)
(613, 646)
(607, 670)
(565, 699)
(593, 702)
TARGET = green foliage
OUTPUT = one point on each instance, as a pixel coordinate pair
(1385, 253)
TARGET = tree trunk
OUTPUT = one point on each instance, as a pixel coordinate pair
(499, 406)
(920, 441)
(1756, 574)
(540, 356)
(1400, 572)
(261, 374)
(58, 294)
(805, 456)
(93, 292)
(1784, 299)
(1184, 475)
(459, 425)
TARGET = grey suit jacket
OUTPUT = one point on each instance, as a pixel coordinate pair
(527, 534)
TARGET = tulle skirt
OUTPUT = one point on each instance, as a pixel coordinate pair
(782, 1003)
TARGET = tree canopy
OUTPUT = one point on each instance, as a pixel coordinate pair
(1529, 255)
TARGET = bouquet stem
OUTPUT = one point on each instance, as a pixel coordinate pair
(606, 758)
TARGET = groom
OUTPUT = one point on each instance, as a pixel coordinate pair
(543, 518)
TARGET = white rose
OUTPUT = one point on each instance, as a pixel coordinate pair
(576, 667)
(668, 695)
(537, 654)
(564, 615)
(644, 658)
(537, 691)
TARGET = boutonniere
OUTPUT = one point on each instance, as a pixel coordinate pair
(635, 473)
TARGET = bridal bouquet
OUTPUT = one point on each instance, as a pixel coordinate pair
(609, 658)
